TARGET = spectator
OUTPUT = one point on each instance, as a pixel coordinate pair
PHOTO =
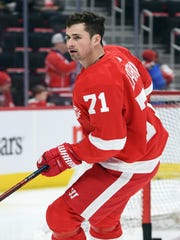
(58, 69)
(6, 99)
(40, 96)
(162, 75)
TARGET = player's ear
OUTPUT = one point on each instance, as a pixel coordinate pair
(96, 39)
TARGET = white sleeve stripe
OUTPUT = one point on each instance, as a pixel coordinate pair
(150, 131)
(148, 90)
(116, 144)
(146, 166)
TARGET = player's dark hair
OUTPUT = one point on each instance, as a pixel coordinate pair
(94, 24)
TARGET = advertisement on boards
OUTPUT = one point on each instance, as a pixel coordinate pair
(26, 134)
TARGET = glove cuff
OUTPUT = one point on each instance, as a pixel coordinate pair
(68, 156)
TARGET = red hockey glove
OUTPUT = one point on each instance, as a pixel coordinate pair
(59, 159)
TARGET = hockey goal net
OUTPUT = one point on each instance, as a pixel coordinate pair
(159, 203)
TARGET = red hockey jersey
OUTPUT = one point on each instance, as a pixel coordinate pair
(119, 124)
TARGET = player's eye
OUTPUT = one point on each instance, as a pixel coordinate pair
(76, 37)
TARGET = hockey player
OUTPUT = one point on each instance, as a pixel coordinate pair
(123, 137)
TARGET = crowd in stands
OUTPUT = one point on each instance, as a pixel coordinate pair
(50, 65)
(45, 20)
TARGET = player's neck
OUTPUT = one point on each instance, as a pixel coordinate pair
(93, 58)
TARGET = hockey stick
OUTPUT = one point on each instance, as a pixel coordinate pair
(23, 182)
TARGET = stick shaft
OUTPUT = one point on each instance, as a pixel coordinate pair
(23, 182)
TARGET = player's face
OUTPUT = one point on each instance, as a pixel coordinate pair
(79, 43)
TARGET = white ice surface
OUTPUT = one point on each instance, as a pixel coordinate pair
(22, 217)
